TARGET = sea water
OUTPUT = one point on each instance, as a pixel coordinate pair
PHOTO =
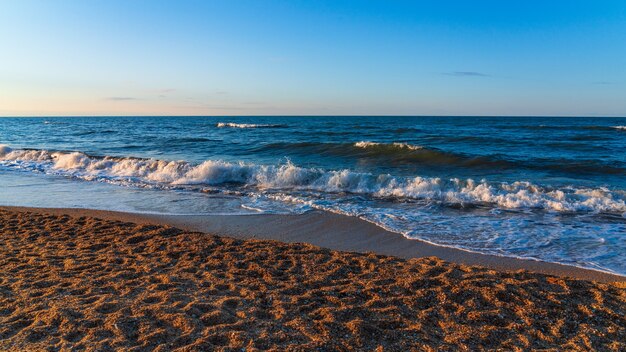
(548, 188)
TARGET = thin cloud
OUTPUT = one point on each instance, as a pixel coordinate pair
(466, 74)
(164, 93)
(120, 98)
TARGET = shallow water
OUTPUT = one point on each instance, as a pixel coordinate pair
(546, 188)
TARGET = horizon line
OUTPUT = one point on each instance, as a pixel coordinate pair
(313, 115)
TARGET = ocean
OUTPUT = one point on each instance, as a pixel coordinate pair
(547, 188)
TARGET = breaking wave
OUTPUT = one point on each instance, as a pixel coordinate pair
(288, 178)
(375, 145)
(247, 125)
(404, 153)
(387, 153)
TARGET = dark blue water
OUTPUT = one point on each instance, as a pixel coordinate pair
(546, 188)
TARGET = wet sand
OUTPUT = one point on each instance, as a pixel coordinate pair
(336, 232)
(91, 280)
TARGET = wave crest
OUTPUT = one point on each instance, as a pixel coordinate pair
(246, 125)
(291, 178)
(396, 145)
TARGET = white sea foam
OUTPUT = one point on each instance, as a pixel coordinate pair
(366, 144)
(623, 128)
(291, 178)
(245, 125)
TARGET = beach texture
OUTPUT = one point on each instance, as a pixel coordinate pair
(80, 283)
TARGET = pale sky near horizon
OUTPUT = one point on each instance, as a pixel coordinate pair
(140, 57)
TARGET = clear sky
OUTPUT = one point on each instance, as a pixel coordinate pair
(267, 57)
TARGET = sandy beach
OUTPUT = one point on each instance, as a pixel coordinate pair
(76, 282)
(312, 176)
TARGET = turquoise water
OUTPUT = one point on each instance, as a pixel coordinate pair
(545, 188)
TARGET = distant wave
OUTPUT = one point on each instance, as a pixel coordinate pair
(623, 128)
(475, 139)
(365, 144)
(290, 178)
(391, 151)
(403, 153)
(186, 140)
(247, 125)
(388, 153)
(87, 133)
(561, 127)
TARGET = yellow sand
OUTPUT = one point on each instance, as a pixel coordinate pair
(73, 283)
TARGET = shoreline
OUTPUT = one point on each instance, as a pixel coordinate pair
(332, 231)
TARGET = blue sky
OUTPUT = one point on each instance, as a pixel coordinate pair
(230, 57)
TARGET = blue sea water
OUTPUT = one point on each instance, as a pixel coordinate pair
(550, 188)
